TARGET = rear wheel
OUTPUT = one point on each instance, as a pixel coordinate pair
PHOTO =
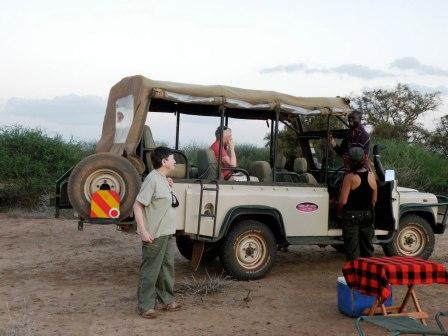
(248, 251)
(414, 238)
(185, 246)
(103, 171)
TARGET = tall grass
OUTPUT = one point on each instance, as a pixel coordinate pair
(415, 166)
(31, 161)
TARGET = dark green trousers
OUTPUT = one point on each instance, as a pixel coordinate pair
(156, 273)
(358, 232)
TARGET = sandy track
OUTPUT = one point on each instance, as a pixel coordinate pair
(64, 282)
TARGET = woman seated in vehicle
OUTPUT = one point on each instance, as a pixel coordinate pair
(228, 150)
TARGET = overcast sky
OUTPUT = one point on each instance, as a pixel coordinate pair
(58, 60)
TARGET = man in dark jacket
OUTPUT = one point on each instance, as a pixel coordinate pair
(356, 136)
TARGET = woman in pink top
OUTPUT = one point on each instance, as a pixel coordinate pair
(228, 150)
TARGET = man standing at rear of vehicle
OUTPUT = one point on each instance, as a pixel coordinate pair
(154, 212)
(228, 150)
(356, 136)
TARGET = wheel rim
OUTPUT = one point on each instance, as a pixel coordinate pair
(411, 240)
(251, 250)
(104, 177)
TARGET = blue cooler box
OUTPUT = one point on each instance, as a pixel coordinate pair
(352, 303)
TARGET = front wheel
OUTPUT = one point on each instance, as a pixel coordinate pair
(414, 238)
(248, 251)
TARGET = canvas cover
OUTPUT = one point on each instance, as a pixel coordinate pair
(132, 95)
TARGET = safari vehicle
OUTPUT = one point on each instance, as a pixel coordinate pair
(243, 222)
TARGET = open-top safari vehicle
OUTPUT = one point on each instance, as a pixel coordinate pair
(243, 222)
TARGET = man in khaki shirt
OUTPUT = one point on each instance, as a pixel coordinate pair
(154, 211)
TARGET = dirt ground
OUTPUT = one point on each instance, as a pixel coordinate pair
(58, 281)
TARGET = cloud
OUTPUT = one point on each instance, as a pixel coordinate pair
(71, 109)
(292, 67)
(429, 89)
(411, 63)
(71, 115)
(353, 70)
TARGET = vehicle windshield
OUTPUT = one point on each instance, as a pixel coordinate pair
(318, 150)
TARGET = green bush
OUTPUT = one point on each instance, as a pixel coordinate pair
(415, 166)
(31, 162)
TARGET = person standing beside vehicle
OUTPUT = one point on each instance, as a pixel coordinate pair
(228, 150)
(356, 136)
(356, 206)
(154, 212)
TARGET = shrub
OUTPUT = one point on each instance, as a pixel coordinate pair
(31, 162)
(415, 166)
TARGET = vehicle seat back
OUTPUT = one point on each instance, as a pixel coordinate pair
(301, 168)
(180, 171)
(262, 170)
(148, 143)
(281, 162)
(207, 164)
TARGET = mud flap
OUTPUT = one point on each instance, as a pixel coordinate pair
(196, 255)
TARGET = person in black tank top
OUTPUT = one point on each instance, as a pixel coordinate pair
(356, 207)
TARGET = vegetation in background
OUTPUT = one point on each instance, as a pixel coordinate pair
(393, 113)
(31, 162)
(438, 141)
(415, 166)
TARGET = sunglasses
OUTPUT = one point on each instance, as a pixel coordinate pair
(174, 201)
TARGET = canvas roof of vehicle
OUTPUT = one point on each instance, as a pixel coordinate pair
(177, 96)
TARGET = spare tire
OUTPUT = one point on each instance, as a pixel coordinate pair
(103, 171)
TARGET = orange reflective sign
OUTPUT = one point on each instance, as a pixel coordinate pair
(105, 204)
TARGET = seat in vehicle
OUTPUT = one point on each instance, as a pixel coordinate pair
(207, 164)
(180, 170)
(283, 175)
(301, 168)
(148, 143)
(262, 170)
(281, 162)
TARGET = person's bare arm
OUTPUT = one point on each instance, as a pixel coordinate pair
(374, 186)
(230, 160)
(138, 215)
(345, 191)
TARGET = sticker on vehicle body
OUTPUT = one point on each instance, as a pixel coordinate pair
(307, 207)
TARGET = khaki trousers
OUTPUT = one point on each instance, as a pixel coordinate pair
(156, 273)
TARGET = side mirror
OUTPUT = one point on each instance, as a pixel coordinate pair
(389, 175)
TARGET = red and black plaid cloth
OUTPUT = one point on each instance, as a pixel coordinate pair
(372, 276)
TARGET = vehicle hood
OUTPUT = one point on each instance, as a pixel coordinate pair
(405, 190)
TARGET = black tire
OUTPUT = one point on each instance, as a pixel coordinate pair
(98, 168)
(414, 237)
(185, 246)
(338, 247)
(248, 234)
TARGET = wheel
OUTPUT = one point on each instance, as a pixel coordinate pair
(248, 251)
(414, 238)
(103, 171)
(185, 246)
(338, 247)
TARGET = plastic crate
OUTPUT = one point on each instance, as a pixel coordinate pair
(352, 303)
